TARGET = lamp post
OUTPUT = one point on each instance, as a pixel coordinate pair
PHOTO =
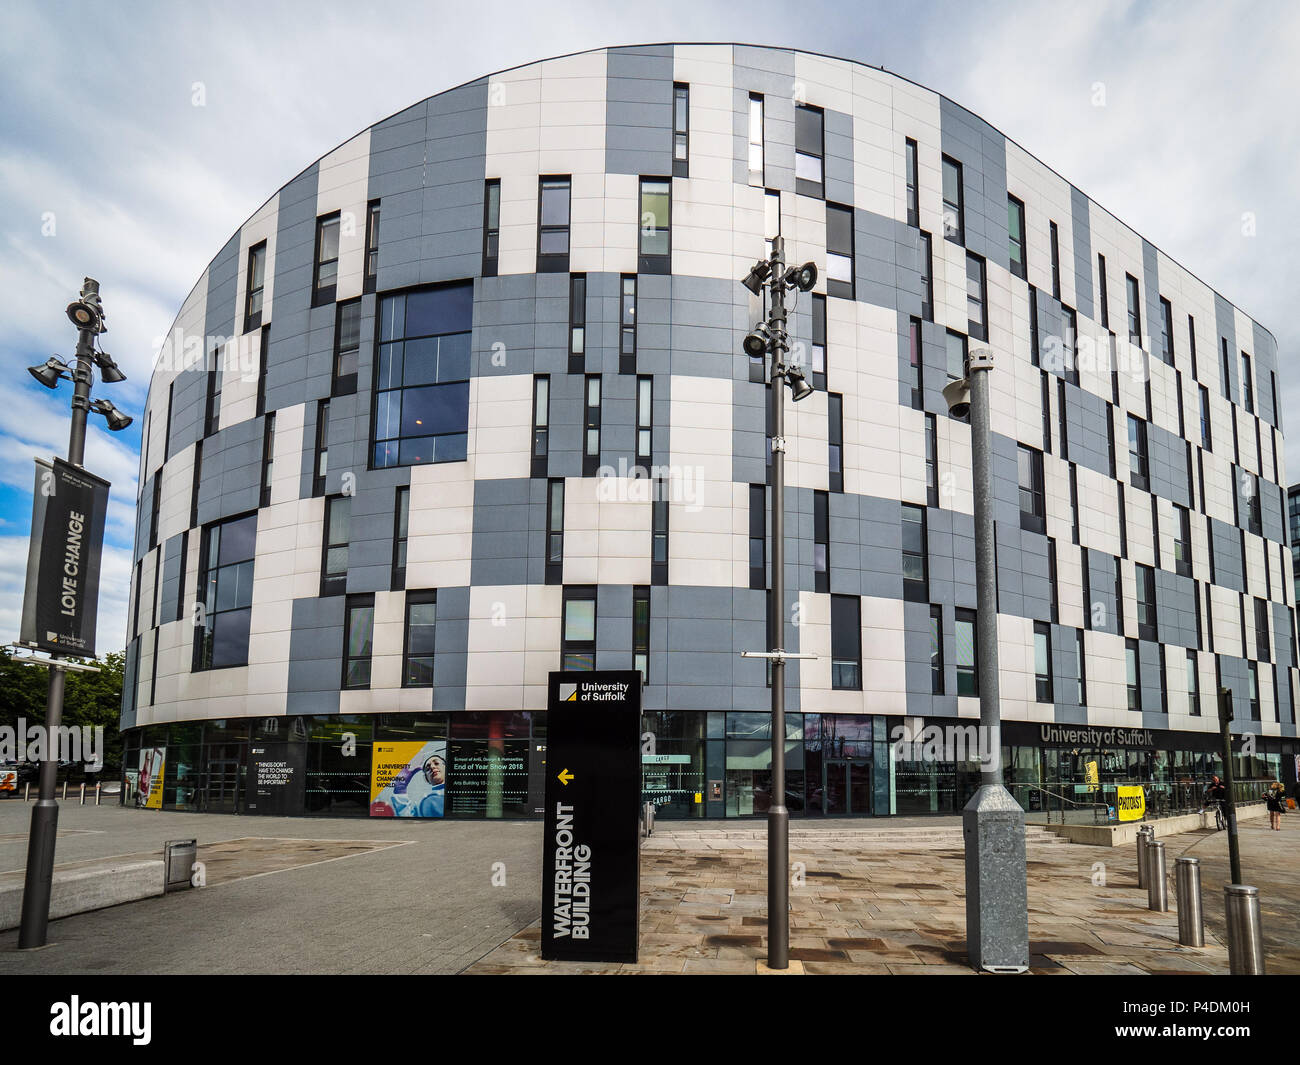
(87, 314)
(770, 338)
(997, 913)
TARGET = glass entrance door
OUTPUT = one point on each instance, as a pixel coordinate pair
(220, 785)
(846, 787)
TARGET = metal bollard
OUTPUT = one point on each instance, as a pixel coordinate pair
(83, 793)
(1187, 889)
(1245, 941)
(27, 791)
(1144, 836)
(1157, 887)
(98, 786)
(65, 787)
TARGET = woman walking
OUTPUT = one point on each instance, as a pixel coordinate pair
(1273, 800)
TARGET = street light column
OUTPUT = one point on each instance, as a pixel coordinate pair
(997, 915)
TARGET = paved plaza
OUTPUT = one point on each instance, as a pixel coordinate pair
(301, 895)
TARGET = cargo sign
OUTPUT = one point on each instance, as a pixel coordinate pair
(591, 848)
(61, 598)
(1132, 803)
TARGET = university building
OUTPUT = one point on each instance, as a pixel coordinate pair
(465, 403)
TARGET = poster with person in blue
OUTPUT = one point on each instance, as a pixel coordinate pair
(408, 779)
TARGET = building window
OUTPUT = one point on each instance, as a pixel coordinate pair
(846, 642)
(268, 458)
(1119, 594)
(757, 537)
(644, 423)
(491, 226)
(681, 129)
(1193, 686)
(421, 626)
(1133, 673)
(1137, 453)
(936, 650)
(1101, 288)
(956, 355)
(577, 323)
(264, 345)
(659, 534)
(553, 225)
(226, 590)
(321, 465)
(1030, 469)
(372, 247)
(422, 376)
(1042, 662)
(359, 635)
(541, 424)
(1183, 542)
(347, 347)
(818, 342)
(839, 251)
(1081, 662)
(756, 140)
(1016, 235)
(1247, 385)
(916, 579)
(212, 413)
(835, 438)
(1205, 418)
(578, 645)
(655, 244)
(153, 510)
(195, 482)
(1146, 601)
(821, 542)
(931, 460)
(1263, 646)
(1074, 503)
(641, 631)
(1034, 346)
(1069, 337)
(1052, 582)
(913, 210)
(927, 278)
(1064, 420)
(334, 554)
(1055, 241)
(1252, 670)
(809, 150)
(968, 678)
(1134, 311)
(976, 298)
(555, 531)
(1227, 369)
(915, 362)
(591, 435)
(627, 325)
(326, 275)
(1166, 331)
(1253, 523)
(255, 285)
(954, 220)
(401, 526)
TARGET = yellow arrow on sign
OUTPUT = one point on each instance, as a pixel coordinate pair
(565, 777)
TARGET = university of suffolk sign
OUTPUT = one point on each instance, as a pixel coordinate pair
(591, 858)
(1098, 737)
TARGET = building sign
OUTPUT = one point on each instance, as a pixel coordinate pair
(408, 779)
(591, 850)
(149, 778)
(1132, 803)
(276, 773)
(1089, 736)
(62, 593)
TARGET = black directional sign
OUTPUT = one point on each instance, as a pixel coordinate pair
(591, 860)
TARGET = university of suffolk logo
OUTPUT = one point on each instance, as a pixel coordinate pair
(568, 693)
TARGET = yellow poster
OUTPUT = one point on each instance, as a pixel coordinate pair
(408, 779)
(1132, 803)
(153, 764)
(1090, 775)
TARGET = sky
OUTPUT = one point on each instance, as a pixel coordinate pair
(137, 137)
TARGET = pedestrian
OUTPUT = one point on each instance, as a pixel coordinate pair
(1273, 800)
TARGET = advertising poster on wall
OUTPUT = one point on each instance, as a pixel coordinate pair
(149, 782)
(408, 779)
(276, 778)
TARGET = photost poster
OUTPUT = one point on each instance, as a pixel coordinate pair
(149, 783)
(408, 779)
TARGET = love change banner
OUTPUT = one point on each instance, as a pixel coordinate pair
(62, 594)
(591, 854)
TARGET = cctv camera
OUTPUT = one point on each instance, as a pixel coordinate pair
(957, 396)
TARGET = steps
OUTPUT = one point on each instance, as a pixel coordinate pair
(863, 834)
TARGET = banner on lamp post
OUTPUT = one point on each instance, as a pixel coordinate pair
(61, 600)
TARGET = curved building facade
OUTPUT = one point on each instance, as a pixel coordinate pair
(465, 402)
